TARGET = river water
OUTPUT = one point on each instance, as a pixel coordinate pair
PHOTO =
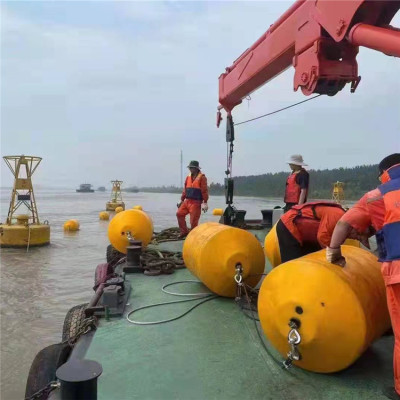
(38, 287)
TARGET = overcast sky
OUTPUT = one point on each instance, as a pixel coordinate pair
(106, 90)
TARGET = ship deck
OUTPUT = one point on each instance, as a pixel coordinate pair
(214, 352)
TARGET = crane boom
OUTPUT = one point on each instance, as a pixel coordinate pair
(320, 38)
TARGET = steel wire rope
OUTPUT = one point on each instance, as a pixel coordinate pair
(205, 296)
(277, 111)
(184, 294)
(267, 350)
(29, 238)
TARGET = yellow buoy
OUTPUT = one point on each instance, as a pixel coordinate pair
(212, 251)
(218, 211)
(24, 235)
(136, 222)
(273, 251)
(137, 207)
(271, 247)
(112, 206)
(23, 230)
(104, 215)
(71, 225)
(116, 197)
(352, 242)
(119, 209)
(22, 219)
(340, 311)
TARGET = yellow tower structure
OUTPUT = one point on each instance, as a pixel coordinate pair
(23, 230)
(116, 197)
(338, 192)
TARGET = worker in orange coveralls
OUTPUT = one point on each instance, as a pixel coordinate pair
(307, 228)
(194, 198)
(379, 209)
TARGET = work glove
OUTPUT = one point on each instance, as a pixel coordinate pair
(204, 207)
(334, 256)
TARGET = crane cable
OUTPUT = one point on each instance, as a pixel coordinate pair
(277, 111)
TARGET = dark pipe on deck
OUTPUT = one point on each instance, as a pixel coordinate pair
(386, 40)
(96, 297)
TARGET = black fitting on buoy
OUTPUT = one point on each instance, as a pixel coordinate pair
(78, 379)
(294, 323)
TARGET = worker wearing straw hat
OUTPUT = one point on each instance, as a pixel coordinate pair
(296, 183)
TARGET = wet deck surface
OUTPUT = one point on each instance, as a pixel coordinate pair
(214, 353)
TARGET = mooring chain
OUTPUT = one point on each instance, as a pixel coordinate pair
(166, 235)
(44, 391)
(88, 324)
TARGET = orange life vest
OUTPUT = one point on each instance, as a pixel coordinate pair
(292, 192)
(193, 188)
(303, 222)
(388, 238)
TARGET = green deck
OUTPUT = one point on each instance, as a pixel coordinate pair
(214, 353)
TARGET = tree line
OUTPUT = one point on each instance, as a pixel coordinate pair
(357, 181)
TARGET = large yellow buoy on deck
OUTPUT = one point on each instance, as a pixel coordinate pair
(271, 247)
(339, 311)
(136, 222)
(104, 216)
(71, 225)
(137, 207)
(118, 209)
(273, 251)
(212, 251)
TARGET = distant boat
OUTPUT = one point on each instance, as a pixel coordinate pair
(101, 189)
(85, 188)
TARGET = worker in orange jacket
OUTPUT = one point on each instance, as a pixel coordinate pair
(307, 228)
(378, 212)
(194, 198)
(296, 190)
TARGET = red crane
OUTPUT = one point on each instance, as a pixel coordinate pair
(320, 38)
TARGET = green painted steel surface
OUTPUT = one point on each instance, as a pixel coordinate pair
(213, 353)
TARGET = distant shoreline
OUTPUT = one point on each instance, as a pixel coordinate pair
(357, 181)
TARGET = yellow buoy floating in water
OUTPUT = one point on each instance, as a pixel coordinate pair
(339, 311)
(119, 209)
(273, 251)
(23, 234)
(116, 197)
(104, 216)
(136, 222)
(212, 251)
(218, 211)
(71, 225)
(23, 230)
(137, 207)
